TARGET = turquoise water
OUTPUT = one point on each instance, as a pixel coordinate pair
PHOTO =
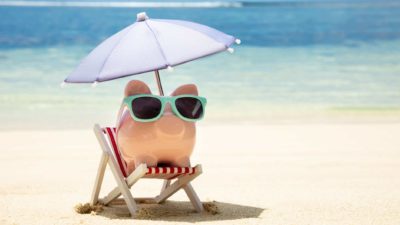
(296, 62)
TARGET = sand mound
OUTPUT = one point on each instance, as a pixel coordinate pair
(211, 207)
(87, 208)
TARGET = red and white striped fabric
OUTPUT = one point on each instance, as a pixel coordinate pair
(152, 172)
(110, 132)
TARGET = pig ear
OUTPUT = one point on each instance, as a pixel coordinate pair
(186, 89)
(135, 87)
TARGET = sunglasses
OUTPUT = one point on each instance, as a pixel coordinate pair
(149, 108)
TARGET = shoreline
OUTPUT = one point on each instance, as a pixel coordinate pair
(52, 123)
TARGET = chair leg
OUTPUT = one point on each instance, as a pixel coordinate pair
(194, 199)
(123, 187)
(99, 178)
(174, 187)
(165, 185)
(131, 180)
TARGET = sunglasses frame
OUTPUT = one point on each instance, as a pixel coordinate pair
(164, 100)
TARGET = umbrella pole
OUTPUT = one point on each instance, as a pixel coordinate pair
(160, 89)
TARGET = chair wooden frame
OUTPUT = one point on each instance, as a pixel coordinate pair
(182, 177)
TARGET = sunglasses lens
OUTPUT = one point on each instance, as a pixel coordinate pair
(146, 107)
(189, 107)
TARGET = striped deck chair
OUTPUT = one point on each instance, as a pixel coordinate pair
(182, 176)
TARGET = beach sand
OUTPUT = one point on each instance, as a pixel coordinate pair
(266, 174)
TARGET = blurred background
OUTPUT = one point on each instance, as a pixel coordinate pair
(299, 61)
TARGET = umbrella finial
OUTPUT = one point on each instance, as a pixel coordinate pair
(141, 17)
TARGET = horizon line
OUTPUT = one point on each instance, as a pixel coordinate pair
(201, 4)
(119, 4)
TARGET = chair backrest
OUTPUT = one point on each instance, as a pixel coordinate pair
(110, 132)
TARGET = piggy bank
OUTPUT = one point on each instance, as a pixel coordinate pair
(168, 141)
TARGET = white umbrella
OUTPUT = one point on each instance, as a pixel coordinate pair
(149, 45)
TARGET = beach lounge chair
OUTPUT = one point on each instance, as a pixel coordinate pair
(182, 176)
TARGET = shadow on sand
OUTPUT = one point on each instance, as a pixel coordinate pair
(183, 212)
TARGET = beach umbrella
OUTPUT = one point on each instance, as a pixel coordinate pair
(149, 45)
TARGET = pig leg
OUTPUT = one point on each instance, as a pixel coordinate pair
(181, 162)
(150, 160)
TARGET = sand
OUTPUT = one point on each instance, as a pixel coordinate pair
(265, 174)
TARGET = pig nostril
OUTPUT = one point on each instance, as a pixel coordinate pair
(170, 125)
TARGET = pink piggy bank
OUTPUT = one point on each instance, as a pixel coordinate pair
(168, 140)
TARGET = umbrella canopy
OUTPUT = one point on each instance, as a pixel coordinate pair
(147, 45)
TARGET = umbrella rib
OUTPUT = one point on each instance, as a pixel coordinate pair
(108, 56)
(158, 44)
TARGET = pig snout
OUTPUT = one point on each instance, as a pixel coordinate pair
(170, 126)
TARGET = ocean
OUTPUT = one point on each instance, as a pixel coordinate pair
(299, 61)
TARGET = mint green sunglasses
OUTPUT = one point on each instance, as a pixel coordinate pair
(149, 108)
